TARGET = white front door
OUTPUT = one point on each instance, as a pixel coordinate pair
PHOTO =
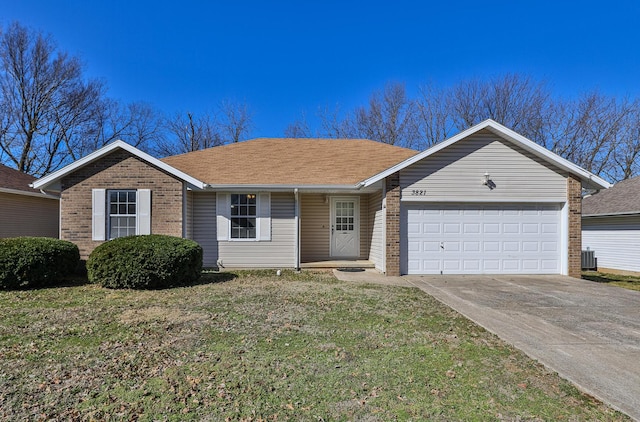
(345, 227)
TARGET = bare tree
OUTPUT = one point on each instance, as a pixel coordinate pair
(186, 133)
(390, 117)
(137, 123)
(334, 125)
(514, 100)
(236, 121)
(45, 101)
(434, 116)
(298, 129)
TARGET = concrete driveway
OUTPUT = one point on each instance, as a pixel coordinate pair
(587, 332)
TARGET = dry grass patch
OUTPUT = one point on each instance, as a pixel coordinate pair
(253, 346)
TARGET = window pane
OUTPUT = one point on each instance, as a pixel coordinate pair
(132, 197)
(243, 228)
(252, 210)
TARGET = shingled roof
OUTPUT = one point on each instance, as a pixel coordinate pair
(15, 180)
(290, 161)
(622, 198)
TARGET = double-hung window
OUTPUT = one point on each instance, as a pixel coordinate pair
(243, 216)
(122, 213)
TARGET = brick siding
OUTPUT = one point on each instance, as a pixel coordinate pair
(118, 170)
(574, 199)
(393, 225)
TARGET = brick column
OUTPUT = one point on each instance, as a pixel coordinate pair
(393, 225)
(574, 200)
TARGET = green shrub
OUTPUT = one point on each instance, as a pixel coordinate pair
(35, 261)
(145, 262)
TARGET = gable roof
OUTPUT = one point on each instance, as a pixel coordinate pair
(588, 179)
(17, 182)
(51, 181)
(622, 198)
(291, 162)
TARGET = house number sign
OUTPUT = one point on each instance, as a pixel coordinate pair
(418, 192)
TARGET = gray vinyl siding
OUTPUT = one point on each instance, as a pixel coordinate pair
(278, 252)
(204, 226)
(456, 173)
(23, 215)
(315, 226)
(615, 240)
(189, 215)
(376, 230)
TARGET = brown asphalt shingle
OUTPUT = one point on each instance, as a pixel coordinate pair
(622, 198)
(14, 179)
(289, 161)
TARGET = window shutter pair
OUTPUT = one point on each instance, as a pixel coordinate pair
(263, 220)
(99, 213)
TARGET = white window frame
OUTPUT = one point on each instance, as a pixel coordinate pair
(101, 212)
(247, 216)
(263, 217)
(109, 215)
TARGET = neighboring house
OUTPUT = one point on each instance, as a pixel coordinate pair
(611, 226)
(484, 201)
(25, 211)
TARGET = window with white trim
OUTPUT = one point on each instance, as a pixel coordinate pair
(243, 216)
(122, 213)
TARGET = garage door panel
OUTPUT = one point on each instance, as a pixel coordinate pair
(483, 238)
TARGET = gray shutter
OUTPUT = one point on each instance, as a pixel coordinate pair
(143, 215)
(264, 216)
(98, 221)
(223, 210)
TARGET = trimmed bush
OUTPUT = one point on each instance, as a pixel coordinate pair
(35, 261)
(145, 262)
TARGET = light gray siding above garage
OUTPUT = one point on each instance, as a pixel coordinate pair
(456, 174)
(615, 241)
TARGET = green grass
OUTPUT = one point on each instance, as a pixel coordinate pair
(627, 281)
(252, 346)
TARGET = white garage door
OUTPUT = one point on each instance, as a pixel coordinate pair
(481, 239)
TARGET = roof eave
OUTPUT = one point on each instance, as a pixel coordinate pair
(27, 193)
(51, 179)
(500, 130)
(279, 188)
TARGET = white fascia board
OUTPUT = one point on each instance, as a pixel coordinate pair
(57, 175)
(508, 134)
(280, 188)
(25, 193)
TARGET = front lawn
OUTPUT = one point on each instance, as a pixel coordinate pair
(627, 281)
(253, 346)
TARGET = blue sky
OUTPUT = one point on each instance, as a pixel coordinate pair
(288, 57)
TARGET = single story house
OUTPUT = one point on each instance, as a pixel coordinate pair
(485, 201)
(611, 226)
(25, 211)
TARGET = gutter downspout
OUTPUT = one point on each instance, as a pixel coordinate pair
(297, 224)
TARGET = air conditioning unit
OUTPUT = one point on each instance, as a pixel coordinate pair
(589, 260)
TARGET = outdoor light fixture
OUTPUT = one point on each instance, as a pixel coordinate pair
(486, 179)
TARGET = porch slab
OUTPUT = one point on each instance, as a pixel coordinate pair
(358, 263)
